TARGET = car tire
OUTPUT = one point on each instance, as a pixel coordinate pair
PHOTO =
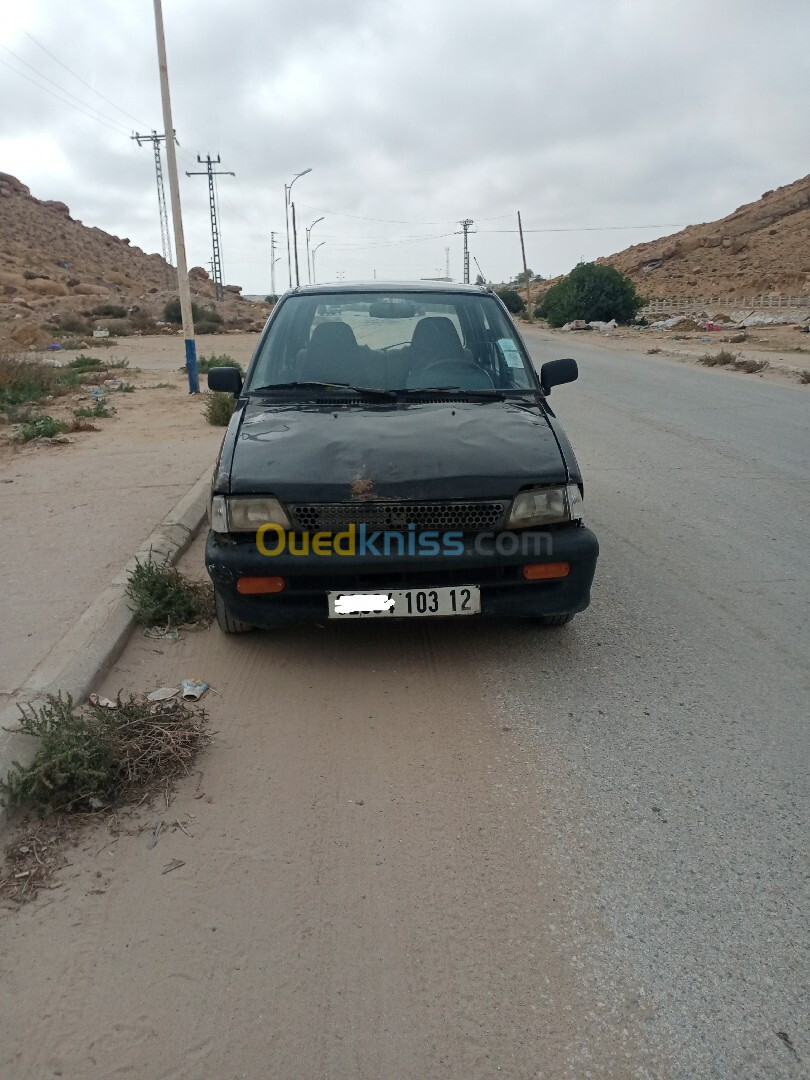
(225, 621)
(554, 620)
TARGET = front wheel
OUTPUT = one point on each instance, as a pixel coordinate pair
(225, 621)
(554, 620)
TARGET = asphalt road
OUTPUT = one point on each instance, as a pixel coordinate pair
(484, 850)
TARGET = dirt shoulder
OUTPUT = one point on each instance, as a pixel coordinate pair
(74, 513)
(785, 349)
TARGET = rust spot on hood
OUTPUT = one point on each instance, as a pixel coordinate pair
(362, 489)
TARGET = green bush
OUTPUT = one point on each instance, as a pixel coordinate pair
(205, 326)
(40, 427)
(70, 324)
(172, 313)
(205, 363)
(85, 363)
(92, 755)
(219, 408)
(110, 311)
(513, 300)
(159, 595)
(592, 293)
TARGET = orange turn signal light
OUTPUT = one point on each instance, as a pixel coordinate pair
(544, 571)
(252, 586)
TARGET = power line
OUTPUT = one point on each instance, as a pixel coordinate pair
(102, 117)
(84, 82)
(592, 228)
(118, 131)
(395, 221)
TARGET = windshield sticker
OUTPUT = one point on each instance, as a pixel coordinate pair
(510, 352)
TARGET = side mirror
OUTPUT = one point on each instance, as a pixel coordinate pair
(227, 380)
(557, 372)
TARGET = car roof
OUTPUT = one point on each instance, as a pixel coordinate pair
(337, 287)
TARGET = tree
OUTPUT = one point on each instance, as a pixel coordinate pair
(271, 298)
(593, 293)
(520, 279)
(513, 300)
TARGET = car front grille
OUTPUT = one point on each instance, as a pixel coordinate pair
(466, 517)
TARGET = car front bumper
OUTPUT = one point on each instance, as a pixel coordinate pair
(504, 590)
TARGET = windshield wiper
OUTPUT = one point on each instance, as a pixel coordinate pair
(483, 394)
(308, 384)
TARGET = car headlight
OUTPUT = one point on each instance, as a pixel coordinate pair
(546, 506)
(246, 514)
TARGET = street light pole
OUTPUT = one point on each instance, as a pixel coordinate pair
(183, 286)
(287, 189)
(309, 230)
(314, 278)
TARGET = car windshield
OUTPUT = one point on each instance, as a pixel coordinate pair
(394, 341)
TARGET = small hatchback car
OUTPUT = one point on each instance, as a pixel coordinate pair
(393, 454)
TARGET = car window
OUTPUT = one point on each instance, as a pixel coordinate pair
(394, 341)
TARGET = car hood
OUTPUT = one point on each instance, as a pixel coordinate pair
(409, 451)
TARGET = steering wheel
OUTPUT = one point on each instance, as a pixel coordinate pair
(464, 374)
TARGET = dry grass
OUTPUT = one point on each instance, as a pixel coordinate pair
(93, 757)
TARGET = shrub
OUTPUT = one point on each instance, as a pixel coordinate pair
(205, 326)
(592, 293)
(111, 311)
(85, 363)
(271, 299)
(513, 300)
(70, 324)
(40, 427)
(205, 363)
(96, 754)
(118, 327)
(172, 313)
(160, 596)
(720, 359)
(143, 321)
(750, 367)
(804, 377)
(219, 408)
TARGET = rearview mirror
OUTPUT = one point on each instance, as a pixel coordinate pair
(557, 372)
(225, 380)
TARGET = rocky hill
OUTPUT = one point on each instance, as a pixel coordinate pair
(763, 247)
(59, 277)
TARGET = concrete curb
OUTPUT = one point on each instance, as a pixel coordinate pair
(89, 649)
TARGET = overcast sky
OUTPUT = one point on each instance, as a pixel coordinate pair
(586, 115)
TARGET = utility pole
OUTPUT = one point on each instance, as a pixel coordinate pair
(165, 235)
(295, 246)
(525, 273)
(466, 225)
(211, 172)
(177, 219)
(287, 190)
(273, 261)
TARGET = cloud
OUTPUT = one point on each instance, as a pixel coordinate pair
(584, 113)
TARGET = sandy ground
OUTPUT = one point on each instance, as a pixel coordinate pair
(479, 850)
(164, 353)
(74, 514)
(784, 348)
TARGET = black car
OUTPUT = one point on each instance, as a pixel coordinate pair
(393, 454)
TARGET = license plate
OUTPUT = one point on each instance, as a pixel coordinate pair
(401, 603)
